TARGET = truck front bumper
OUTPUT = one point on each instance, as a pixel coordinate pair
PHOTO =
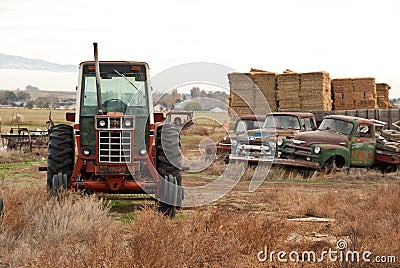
(251, 158)
(296, 163)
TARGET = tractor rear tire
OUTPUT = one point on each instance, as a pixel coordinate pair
(169, 166)
(61, 153)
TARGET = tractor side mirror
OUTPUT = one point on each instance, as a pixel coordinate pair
(70, 117)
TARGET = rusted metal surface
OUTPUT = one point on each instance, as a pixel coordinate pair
(322, 137)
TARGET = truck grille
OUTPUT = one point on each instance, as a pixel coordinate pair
(115, 146)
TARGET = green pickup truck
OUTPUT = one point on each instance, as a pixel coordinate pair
(340, 142)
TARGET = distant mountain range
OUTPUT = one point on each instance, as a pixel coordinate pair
(21, 63)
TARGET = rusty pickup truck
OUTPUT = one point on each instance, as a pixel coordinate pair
(340, 142)
(260, 144)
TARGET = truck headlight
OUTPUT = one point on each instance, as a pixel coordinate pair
(279, 142)
(272, 144)
(317, 149)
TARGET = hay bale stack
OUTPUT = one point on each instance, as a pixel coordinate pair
(266, 82)
(315, 91)
(364, 93)
(354, 93)
(245, 98)
(342, 90)
(382, 93)
(288, 94)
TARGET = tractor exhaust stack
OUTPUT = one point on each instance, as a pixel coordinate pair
(98, 87)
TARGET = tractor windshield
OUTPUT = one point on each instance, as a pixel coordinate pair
(120, 93)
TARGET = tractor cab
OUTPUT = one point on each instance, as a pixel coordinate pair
(124, 108)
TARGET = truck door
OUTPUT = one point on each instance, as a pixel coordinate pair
(363, 145)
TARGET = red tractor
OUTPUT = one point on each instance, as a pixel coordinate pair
(119, 149)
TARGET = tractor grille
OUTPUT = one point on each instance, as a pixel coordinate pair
(115, 146)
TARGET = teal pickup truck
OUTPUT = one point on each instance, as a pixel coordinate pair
(340, 142)
(259, 145)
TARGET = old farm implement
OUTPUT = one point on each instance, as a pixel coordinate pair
(24, 139)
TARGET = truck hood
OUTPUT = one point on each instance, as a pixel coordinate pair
(258, 136)
(287, 133)
(320, 137)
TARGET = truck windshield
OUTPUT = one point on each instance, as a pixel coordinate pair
(244, 125)
(282, 122)
(336, 125)
(118, 94)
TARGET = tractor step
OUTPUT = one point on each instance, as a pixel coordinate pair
(42, 168)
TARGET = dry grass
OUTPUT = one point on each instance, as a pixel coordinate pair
(77, 231)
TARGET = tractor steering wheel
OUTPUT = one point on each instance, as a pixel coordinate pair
(114, 105)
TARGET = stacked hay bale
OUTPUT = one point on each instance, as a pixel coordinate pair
(382, 92)
(249, 92)
(364, 93)
(315, 91)
(288, 95)
(266, 82)
(342, 90)
(354, 93)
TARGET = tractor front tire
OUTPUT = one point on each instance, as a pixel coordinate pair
(169, 166)
(61, 153)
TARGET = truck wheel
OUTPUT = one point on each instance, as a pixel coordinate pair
(61, 153)
(169, 166)
(334, 164)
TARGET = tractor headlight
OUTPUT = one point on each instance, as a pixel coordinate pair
(142, 151)
(86, 152)
(128, 123)
(279, 142)
(272, 144)
(102, 123)
(317, 149)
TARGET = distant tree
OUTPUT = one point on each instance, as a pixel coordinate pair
(23, 96)
(10, 96)
(193, 106)
(203, 93)
(31, 88)
(42, 102)
(195, 92)
(30, 104)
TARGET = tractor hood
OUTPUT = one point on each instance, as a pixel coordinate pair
(320, 137)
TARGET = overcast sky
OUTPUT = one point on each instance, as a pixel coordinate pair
(346, 38)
